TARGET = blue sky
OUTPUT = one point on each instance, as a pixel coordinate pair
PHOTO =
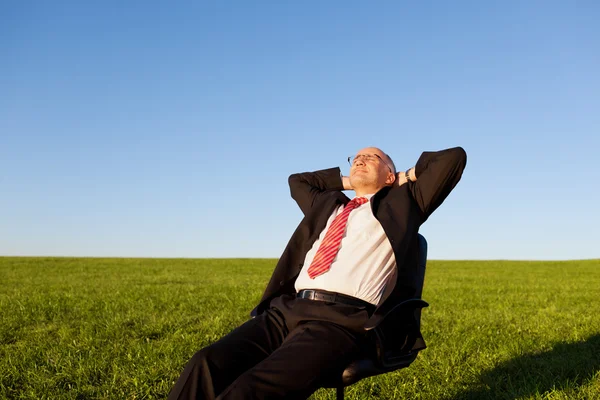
(154, 129)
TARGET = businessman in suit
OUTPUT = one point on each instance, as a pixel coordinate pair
(345, 266)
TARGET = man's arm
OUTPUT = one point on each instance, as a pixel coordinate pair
(434, 176)
(307, 187)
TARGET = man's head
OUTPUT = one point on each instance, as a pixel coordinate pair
(370, 170)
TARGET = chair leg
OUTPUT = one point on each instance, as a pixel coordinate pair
(339, 393)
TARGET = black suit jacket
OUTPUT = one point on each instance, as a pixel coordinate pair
(400, 209)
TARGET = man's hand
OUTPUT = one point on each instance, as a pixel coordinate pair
(346, 183)
(401, 176)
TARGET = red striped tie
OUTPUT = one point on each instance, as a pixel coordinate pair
(331, 243)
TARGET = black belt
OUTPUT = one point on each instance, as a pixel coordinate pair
(332, 297)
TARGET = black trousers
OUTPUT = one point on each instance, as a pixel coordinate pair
(284, 353)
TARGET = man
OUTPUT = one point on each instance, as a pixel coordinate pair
(347, 263)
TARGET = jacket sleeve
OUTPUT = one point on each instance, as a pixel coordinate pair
(307, 187)
(438, 172)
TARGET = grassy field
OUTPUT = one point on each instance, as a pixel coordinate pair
(123, 328)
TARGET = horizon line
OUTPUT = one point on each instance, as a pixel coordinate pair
(276, 258)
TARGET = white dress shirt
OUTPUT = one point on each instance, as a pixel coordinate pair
(364, 264)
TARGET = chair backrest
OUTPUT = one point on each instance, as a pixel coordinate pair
(422, 263)
(393, 353)
(422, 269)
(368, 366)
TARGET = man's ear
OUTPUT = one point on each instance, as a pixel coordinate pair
(391, 178)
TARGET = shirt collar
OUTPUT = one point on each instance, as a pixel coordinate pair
(367, 196)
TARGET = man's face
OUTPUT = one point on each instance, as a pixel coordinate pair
(370, 170)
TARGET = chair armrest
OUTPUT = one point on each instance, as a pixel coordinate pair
(399, 309)
(397, 336)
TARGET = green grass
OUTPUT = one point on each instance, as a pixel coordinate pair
(77, 328)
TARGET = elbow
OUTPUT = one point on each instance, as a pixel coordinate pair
(294, 182)
(293, 178)
(461, 156)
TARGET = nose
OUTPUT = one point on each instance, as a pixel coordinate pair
(359, 161)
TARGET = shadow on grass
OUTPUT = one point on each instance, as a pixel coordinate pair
(566, 367)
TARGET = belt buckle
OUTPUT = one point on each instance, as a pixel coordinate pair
(307, 294)
(318, 296)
